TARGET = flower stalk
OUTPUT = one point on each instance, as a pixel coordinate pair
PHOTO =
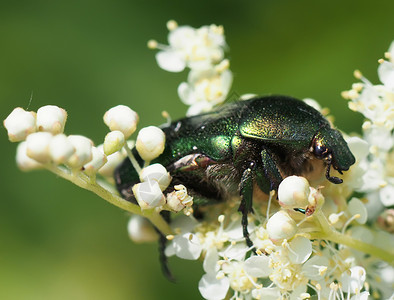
(76, 178)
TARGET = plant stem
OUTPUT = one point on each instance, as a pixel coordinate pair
(328, 233)
(153, 216)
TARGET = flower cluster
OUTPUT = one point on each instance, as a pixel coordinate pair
(202, 51)
(376, 103)
(318, 241)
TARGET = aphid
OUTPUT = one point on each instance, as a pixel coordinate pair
(229, 150)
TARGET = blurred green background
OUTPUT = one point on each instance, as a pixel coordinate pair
(60, 242)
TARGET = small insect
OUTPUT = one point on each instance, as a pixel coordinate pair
(231, 149)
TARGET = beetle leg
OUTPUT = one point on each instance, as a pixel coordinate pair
(162, 247)
(246, 192)
(267, 174)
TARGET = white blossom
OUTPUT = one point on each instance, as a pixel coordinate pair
(24, 162)
(83, 151)
(140, 230)
(113, 161)
(113, 142)
(121, 118)
(20, 124)
(196, 48)
(205, 89)
(281, 226)
(148, 194)
(150, 142)
(60, 149)
(293, 192)
(156, 172)
(98, 160)
(37, 146)
(51, 118)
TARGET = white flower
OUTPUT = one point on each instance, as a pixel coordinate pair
(60, 149)
(156, 172)
(51, 118)
(258, 266)
(113, 161)
(205, 89)
(195, 48)
(281, 226)
(83, 151)
(179, 199)
(300, 249)
(20, 124)
(141, 230)
(293, 192)
(212, 288)
(150, 142)
(24, 162)
(354, 282)
(97, 161)
(121, 118)
(37, 146)
(113, 142)
(148, 194)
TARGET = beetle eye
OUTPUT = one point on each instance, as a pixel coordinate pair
(320, 151)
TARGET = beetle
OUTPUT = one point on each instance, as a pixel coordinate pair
(241, 144)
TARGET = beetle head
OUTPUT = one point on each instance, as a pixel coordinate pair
(329, 145)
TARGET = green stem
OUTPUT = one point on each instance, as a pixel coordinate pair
(332, 235)
(153, 216)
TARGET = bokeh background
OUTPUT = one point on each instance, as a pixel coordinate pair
(60, 242)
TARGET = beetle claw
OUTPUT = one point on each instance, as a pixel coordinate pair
(332, 179)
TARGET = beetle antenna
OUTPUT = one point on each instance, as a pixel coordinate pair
(332, 179)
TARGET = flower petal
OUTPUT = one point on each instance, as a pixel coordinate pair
(212, 288)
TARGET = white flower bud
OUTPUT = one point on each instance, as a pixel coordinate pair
(24, 162)
(83, 151)
(60, 149)
(293, 192)
(121, 118)
(98, 160)
(148, 194)
(281, 226)
(20, 124)
(179, 199)
(158, 173)
(114, 141)
(150, 142)
(141, 230)
(113, 161)
(37, 146)
(51, 118)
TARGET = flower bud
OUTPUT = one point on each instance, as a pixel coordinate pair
(114, 141)
(37, 146)
(51, 118)
(150, 142)
(83, 151)
(141, 230)
(293, 192)
(113, 161)
(20, 124)
(158, 173)
(281, 226)
(121, 118)
(148, 194)
(24, 162)
(60, 149)
(98, 160)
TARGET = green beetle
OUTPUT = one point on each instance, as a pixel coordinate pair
(229, 150)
